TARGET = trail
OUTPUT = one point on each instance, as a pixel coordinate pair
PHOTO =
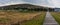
(49, 20)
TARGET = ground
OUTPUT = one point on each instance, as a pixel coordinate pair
(49, 20)
(25, 18)
(14, 18)
(56, 15)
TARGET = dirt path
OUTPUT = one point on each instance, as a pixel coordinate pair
(49, 20)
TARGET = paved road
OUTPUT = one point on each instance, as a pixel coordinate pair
(49, 20)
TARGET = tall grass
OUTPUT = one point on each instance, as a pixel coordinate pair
(12, 17)
(56, 15)
(38, 20)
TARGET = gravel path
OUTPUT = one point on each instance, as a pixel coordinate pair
(49, 20)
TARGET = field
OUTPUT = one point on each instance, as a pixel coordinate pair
(56, 15)
(37, 20)
(16, 18)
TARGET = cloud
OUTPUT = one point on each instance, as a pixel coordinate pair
(56, 3)
(11, 2)
(48, 3)
(36, 1)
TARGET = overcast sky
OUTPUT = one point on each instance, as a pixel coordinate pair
(49, 3)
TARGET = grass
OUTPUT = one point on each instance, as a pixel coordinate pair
(4, 20)
(12, 17)
(56, 15)
(38, 20)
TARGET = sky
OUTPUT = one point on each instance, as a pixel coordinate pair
(46, 3)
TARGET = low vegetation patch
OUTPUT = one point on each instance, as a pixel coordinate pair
(37, 20)
(13, 17)
(56, 15)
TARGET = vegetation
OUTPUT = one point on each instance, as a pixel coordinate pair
(15, 14)
(56, 15)
(13, 17)
(37, 20)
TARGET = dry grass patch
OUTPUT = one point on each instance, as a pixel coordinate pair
(13, 17)
(37, 20)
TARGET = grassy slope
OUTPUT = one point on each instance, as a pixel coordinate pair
(56, 15)
(9, 17)
(38, 20)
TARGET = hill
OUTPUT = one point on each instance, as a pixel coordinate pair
(22, 6)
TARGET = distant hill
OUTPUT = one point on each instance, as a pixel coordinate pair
(22, 6)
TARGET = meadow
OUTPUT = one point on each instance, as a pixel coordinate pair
(18, 18)
(37, 20)
(56, 15)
